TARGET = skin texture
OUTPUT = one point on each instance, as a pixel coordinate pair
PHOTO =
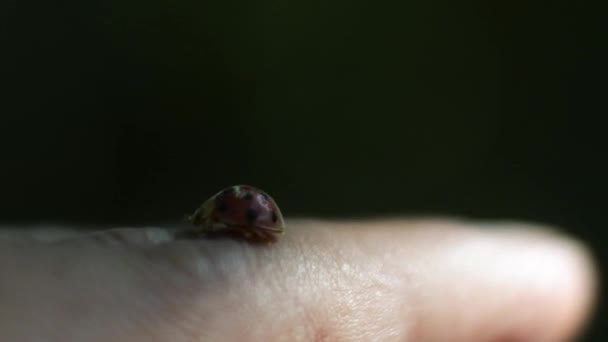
(380, 280)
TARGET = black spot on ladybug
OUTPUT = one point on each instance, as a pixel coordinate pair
(252, 215)
(274, 217)
(265, 196)
(248, 196)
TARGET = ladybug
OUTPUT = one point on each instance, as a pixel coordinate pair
(241, 209)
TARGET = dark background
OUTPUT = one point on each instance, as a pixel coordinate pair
(133, 112)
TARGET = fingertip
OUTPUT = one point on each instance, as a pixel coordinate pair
(565, 275)
(485, 281)
(545, 280)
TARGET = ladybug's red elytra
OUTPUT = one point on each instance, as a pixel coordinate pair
(241, 209)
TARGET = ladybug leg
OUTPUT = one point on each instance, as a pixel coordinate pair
(255, 234)
(245, 232)
(261, 234)
(265, 236)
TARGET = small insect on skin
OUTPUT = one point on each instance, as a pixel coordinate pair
(240, 210)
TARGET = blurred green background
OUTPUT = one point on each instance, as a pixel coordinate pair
(132, 112)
